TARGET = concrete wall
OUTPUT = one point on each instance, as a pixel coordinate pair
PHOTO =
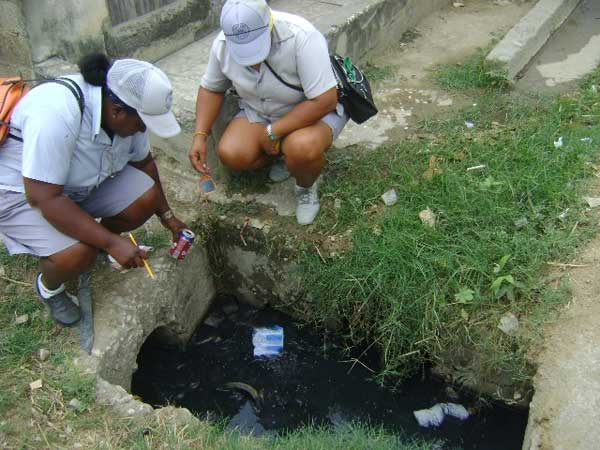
(15, 53)
(54, 32)
(161, 32)
(65, 28)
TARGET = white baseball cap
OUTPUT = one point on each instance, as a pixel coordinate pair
(247, 28)
(146, 89)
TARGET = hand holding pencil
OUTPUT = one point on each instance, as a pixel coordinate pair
(146, 265)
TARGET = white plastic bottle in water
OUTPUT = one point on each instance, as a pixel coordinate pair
(268, 341)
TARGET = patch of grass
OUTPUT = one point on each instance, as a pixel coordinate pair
(254, 182)
(475, 73)
(414, 291)
(375, 74)
(157, 238)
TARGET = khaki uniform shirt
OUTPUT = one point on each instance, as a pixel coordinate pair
(298, 54)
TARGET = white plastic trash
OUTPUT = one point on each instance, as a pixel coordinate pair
(434, 416)
(268, 341)
(389, 197)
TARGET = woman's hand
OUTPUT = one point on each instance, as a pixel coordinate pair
(198, 153)
(126, 254)
(174, 225)
(272, 148)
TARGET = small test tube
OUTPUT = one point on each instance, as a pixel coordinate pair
(206, 183)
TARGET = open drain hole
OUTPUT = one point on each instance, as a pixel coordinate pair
(216, 376)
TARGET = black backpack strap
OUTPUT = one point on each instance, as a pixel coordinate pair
(73, 87)
(291, 86)
(70, 85)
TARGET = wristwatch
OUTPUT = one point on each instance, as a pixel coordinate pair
(272, 136)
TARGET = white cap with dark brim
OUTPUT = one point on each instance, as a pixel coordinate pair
(247, 28)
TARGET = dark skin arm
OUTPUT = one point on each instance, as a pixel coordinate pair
(148, 166)
(73, 221)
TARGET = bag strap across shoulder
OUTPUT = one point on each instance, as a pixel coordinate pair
(71, 86)
(291, 86)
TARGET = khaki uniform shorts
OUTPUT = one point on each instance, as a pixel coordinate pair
(24, 230)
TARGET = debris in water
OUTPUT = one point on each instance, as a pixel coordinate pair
(427, 217)
(389, 197)
(593, 202)
(256, 396)
(434, 416)
(559, 142)
(509, 324)
(268, 341)
(246, 421)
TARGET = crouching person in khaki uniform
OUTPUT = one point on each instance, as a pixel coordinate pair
(289, 113)
(61, 168)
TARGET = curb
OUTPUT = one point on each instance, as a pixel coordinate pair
(528, 36)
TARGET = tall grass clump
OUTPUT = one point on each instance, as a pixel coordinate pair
(474, 73)
(417, 292)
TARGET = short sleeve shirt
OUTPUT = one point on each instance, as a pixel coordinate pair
(62, 147)
(298, 54)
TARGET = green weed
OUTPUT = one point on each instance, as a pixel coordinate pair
(413, 290)
(475, 73)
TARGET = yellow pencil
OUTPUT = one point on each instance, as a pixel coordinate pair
(146, 265)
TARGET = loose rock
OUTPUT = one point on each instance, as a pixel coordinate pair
(21, 319)
(76, 404)
(427, 217)
(43, 354)
(509, 324)
(389, 197)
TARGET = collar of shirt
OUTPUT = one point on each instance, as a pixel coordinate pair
(97, 134)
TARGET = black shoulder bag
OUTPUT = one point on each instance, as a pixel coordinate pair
(353, 88)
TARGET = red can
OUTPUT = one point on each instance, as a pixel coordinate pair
(180, 248)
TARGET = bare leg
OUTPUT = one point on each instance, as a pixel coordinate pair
(69, 263)
(135, 214)
(304, 152)
(239, 148)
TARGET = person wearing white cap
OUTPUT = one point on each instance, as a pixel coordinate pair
(279, 66)
(78, 150)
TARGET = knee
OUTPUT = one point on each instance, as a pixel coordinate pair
(76, 259)
(304, 150)
(148, 201)
(235, 159)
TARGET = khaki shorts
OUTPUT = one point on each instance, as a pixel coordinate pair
(336, 120)
(24, 230)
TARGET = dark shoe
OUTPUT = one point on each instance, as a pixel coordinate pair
(62, 308)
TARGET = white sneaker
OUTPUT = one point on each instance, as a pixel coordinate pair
(308, 204)
(279, 171)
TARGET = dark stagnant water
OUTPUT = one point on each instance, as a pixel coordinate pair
(311, 382)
